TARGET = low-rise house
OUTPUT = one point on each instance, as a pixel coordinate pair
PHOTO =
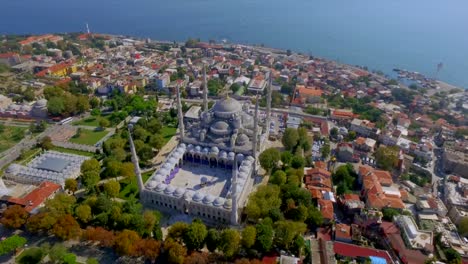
(36, 198)
(345, 153)
(364, 144)
(303, 95)
(413, 237)
(326, 208)
(344, 250)
(364, 128)
(351, 203)
(343, 233)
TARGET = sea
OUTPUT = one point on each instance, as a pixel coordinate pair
(414, 35)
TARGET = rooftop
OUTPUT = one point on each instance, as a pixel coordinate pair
(54, 164)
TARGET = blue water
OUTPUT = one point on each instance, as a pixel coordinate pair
(381, 34)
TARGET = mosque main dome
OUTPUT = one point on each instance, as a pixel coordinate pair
(227, 106)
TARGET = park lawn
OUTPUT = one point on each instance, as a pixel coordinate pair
(73, 151)
(92, 121)
(89, 137)
(129, 187)
(167, 133)
(10, 136)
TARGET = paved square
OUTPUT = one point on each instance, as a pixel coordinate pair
(200, 177)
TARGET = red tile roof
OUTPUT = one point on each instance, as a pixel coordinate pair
(343, 231)
(326, 207)
(37, 196)
(354, 251)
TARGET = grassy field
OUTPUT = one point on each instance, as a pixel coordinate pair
(168, 133)
(89, 137)
(90, 121)
(73, 151)
(129, 187)
(10, 136)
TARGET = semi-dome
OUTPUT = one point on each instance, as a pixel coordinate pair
(161, 187)
(227, 106)
(208, 199)
(169, 190)
(242, 139)
(222, 154)
(218, 202)
(41, 103)
(198, 197)
(220, 128)
(214, 149)
(231, 155)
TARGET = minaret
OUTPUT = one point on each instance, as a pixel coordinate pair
(135, 163)
(180, 115)
(234, 217)
(205, 90)
(268, 110)
(255, 135)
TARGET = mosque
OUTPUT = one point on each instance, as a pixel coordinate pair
(210, 173)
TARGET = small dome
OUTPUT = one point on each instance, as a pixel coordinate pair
(240, 157)
(222, 154)
(218, 202)
(152, 184)
(167, 166)
(190, 146)
(179, 192)
(227, 105)
(214, 149)
(208, 199)
(158, 178)
(161, 187)
(13, 169)
(182, 145)
(228, 204)
(231, 155)
(220, 125)
(244, 169)
(188, 195)
(205, 150)
(197, 148)
(198, 197)
(243, 175)
(172, 161)
(169, 190)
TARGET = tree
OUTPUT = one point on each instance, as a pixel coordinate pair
(150, 221)
(90, 179)
(157, 141)
(55, 106)
(41, 222)
(83, 213)
(66, 228)
(148, 248)
(194, 238)
(290, 138)
(125, 242)
(94, 102)
(387, 157)
(11, 243)
(198, 258)
(175, 251)
(46, 143)
(278, 178)
(229, 242)
(453, 257)
(127, 169)
(266, 198)
(463, 226)
(112, 188)
(352, 135)
(314, 217)
(269, 159)
(91, 165)
(297, 162)
(57, 253)
(389, 213)
(14, 217)
(264, 235)
(82, 104)
(92, 261)
(248, 236)
(177, 231)
(60, 205)
(105, 237)
(71, 185)
(286, 231)
(334, 132)
(286, 158)
(214, 86)
(103, 123)
(212, 240)
(112, 167)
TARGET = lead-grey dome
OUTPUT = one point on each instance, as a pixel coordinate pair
(41, 103)
(228, 105)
